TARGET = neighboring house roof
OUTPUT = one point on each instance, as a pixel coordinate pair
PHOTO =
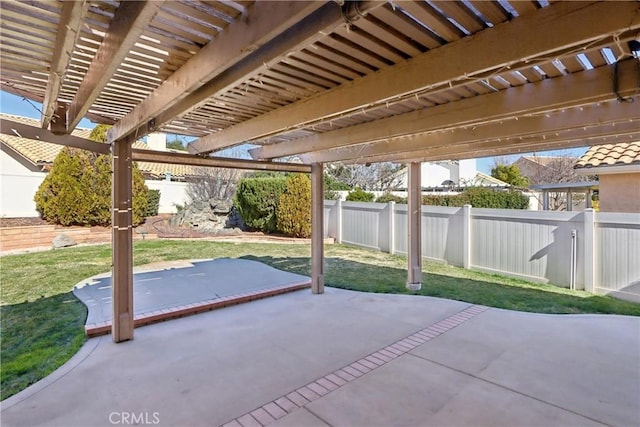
(485, 180)
(42, 154)
(625, 155)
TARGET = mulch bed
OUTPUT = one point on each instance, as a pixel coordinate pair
(160, 225)
(22, 222)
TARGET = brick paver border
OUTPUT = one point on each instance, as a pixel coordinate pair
(148, 318)
(288, 403)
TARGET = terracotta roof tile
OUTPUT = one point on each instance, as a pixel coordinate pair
(625, 153)
(43, 153)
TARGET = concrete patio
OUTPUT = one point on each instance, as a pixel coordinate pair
(349, 359)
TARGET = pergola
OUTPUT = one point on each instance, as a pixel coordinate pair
(322, 81)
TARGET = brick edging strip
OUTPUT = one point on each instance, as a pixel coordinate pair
(278, 408)
(148, 318)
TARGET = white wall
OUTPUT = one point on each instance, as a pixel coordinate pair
(171, 193)
(18, 185)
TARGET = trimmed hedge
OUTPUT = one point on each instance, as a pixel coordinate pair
(388, 197)
(293, 213)
(359, 195)
(479, 197)
(256, 200)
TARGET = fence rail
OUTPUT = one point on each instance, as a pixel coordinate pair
(597, 252)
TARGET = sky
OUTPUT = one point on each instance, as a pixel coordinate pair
(11, 104)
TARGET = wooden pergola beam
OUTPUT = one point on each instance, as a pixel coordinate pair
(183, 90)
(559, 28)
(71, 20)
(547, 95)
(129, 22)
(543, 145)
(542, 124)
(9, 127)
(218, 162)
(577, 137)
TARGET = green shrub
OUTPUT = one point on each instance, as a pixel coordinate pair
(153, 203)
(256, 200)
(77, 189)
(293, 212)
(388, 197)
(332, 184)
(479, 197)
(359, 195)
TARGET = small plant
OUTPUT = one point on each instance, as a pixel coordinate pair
(293, 212)
(359, 195)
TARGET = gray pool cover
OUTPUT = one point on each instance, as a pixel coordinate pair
(173, 284)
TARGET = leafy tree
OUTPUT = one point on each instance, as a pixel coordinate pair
(510, 174)
(77, 190)
(377, 176)
(293, 212)
(176, 144)
(99, 133)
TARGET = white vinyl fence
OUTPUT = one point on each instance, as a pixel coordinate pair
(597, 252)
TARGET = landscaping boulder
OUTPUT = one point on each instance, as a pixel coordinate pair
(208, 216)
(62, 241)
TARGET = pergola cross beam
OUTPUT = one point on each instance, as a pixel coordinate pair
(579, 118)
(559, 28)
(577, 89)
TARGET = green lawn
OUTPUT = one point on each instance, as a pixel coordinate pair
(42, 322)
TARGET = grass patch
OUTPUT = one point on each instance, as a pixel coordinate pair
(43, 323)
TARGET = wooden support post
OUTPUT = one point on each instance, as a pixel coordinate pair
(122, 242)
(414, 220)
(545, 200)
(569, 200)
(317, 229)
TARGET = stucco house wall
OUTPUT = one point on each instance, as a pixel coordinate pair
(618, 170)
(620, 192)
